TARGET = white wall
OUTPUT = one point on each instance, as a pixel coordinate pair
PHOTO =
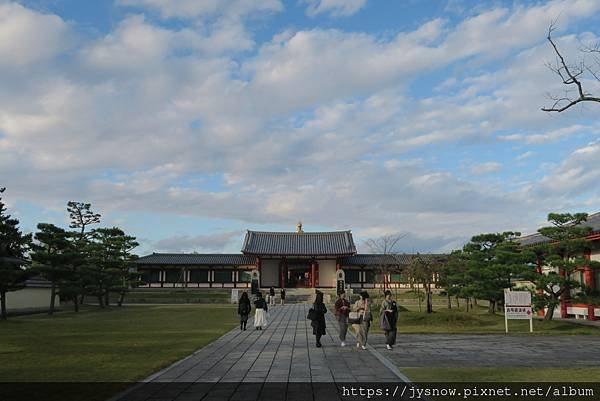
(29, 298)
(327, 273)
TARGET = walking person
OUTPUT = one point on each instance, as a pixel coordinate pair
(244, 309)
(272, 296)
(342, 310)
(282, 296)
(318, 318)
(260, 314)
(388, 318)
(363, 307)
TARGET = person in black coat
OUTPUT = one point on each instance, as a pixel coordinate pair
(244, 309)
(318, 324)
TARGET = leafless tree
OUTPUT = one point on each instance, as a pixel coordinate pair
(572, 76)
(390, 263)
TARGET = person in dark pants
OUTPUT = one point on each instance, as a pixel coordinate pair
(389, 318)
(282, 295)
(272, 296)
(342, 309)
(318, 324)
(244, 309)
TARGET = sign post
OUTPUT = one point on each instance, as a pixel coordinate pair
(234, 295)
(517, 305)
(254, 282)
(341, 281)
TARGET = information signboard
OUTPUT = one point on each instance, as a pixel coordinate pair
(517, 305)
(254, 283)
(341, 281)
(234, 296)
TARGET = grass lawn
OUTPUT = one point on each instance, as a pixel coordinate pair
(503, 374)
(477, 321)
(112, 345)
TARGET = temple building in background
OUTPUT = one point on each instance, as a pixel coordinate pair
(295, 259)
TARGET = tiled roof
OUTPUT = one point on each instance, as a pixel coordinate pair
(191, 259)
(593, 221)
(299, 244)
(381, 259)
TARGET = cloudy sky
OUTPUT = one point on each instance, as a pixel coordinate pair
(186, 122)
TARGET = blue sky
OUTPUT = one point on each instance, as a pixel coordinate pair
(186, 122)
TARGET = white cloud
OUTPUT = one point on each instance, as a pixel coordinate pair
(314, 126)
(28, 38)
(216, 242)
(486, 168)
(524, 155)
(207, 8)
(335, 8)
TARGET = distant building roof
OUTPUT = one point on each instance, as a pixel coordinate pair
(335, 243)
(190, 259)
(593, 221)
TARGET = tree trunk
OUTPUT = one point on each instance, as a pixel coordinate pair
(471, 300)
(492, 307)
(467, 303)
(76, 303)
(81, 299)
(52, 298)
(106, 298)
(429, 300)
(549, 313)
(121, 298)
(3, 303)
(449, 302)
(101, 301)
(475, 301)
(457, 302)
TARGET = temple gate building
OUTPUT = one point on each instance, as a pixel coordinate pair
(283, 259)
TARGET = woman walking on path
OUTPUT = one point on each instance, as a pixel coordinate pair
(260, 314)
(282, 295)
(388, 319)
(272, 296)
(342, 310)
(363, 307)
(244, 309)
(318, 323)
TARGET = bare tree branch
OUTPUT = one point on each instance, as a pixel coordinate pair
(570, 75)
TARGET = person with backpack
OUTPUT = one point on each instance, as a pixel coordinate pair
(388, 318)
(244, 309)
(260, 313)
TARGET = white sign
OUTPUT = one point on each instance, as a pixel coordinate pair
(517, 298)
(234, 296)
(517, 305)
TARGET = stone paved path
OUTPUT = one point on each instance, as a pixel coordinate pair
(280, 362)
(457, 350)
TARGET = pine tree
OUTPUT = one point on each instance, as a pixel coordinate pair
(13, 250)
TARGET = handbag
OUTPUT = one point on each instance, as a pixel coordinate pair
(312, 314)
(354, 318)
(384, 322)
